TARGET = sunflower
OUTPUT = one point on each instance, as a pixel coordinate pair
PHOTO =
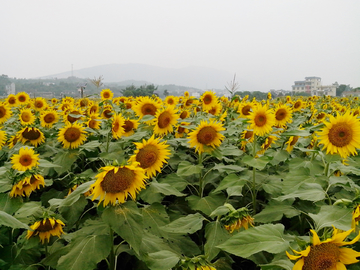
(283, 115)
(93, 108)
(355, 217)
(22, 98)
(184, 114)
(27, 185)
(164, 121)
(326, 255)
(68, 100)
(208, 99)
(25, 160)
(54, 101)
(129, 126)
(117, 126)
(151, 155)
(298, 105)
(72, 135)
(48, 118)
(206, 135)
(291, 143)
(215, 109)
(247, 136)
(107, 112)
(46, 228)
(32, 135)
(106, 94)
(12, 141)
(83, 103)
(171, 101)
(5, 112)
(94, 121)
(186, 94)
(72, 115)
(2, 138)
(11, 100)
(245, 109)
(146, 106)
(181, 131)
(267, 144)
(26, 117)
(115, 184)
(39, 103)
(262, 120)
(341, 135)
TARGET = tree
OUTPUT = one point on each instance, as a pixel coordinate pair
(144, 90)
(341, 88)
(166, 92)
(97, 82)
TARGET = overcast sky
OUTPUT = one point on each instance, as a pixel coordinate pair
(269, 44)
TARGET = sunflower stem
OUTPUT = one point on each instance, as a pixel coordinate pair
(201, 179)
(253, 193)
(326, 169)
(112, 257)
(108, 142)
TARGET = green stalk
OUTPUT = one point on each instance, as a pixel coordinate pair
(201, 179)
(112, 257)
(254, 178)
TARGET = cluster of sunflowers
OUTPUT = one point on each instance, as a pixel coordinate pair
(136, 142)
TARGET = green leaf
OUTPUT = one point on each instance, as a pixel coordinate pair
(189, 224)
(220, 211)
(10, 221)
(274, 211)
(206, 204)
(166, 189)
(175, 181)
(307, 191)
(300, 132)
(29, 209)
(258, 163)
(332, 215)
(75, 195)
(215, 235)
(228, 168)
(154, 217)
(65, 159)
(8, 204)
(162, 260)
(126, 221)
(269, 238)
(185, 168)
(43, 163)
(230, 180)
(90, 145)
(279, 156)
(73, 213)
(85, 253)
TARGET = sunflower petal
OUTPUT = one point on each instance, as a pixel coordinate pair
(299, 265)
(348, 255)
(316, 240)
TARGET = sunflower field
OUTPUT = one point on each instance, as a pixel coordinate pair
(209, 183)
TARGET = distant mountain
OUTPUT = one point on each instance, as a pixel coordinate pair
(198, 77)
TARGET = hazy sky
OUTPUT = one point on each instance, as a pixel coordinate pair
(269, 44)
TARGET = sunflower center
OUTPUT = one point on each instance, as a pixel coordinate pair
(39, 104)
(181, 130)
(93, 109)
(73, 119)
(207, 99)
(92, 124)
(170, 101)
(147, 156)
(45, 226)
(280, 114)
(107, 113)
(31, 134)
(183, 115)
(25, 160)
(106, 95)
(320, 116)
(12, 100)
(206, 135)
(248, 134)
(128, 126)
(148, 109)
(119, 181)
(297, 104)
(2, 112)
(212, 111)
(22, 98)
(340, 134)
(72, 134)
(260, 120)
(294, 140)
(246, 110)
(322, 257)
(164, 119)
(49, 118)
(189, 102)
(25, 117)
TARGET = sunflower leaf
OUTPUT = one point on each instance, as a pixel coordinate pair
(10, 221)
(215, 235)
(258, 163)
(47, 164)
(189, 224)
(186, 169)
(162, 260)
(333, 215)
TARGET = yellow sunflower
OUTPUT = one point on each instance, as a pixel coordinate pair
(326, 255)
(26, 117)
(107, 112)
(164, 121)
(208, 99)
(184, 114)
(245, 109)
(72, 135)
(341, 135)
(27, 185)
(115, 184)
(22, 98)
(54, 101)
(32, 135)
(2, 138)
(206, 136)
(298, 105)
(83, 103)
(39, 104)
(247, 136)
(25, 160)
(146, 106)
(283, 115)
(355, 217)
(5, 112)
(291, 143)
(215, 109)
(129, 126)
(117, 126)
(94, 108)
(181, 131)
(106, 94)
(262, 120)
(11, 100)
(94, 121)
(151, 154)
(171, 101)
(46, 228)
(267, 144)
(73, 114)
(48, 118)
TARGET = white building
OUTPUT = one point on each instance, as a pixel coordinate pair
(10, 89)
(313, 86)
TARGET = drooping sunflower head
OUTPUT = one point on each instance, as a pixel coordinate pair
(106, 94)
(146, 106)
(114, 184)
(46, 228)
(283, 115)
(25, 160)
(72, 135)
(27, 185)
(328, 254)
(341, 135)
(164, 121)
(262, 120)
(32, 135)
(48, 118)
(22, 98)
(129, 126)
(208, 100)
(5, 112)
(151, 155)
(93, 108)
(117, 126)
(26, 117)
(206, 136)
